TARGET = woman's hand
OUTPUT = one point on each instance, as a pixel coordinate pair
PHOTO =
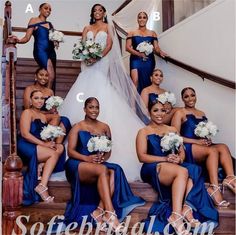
(100, 157)
(174, 158)
(204, 142)
(53, 110)
(56, 44)
(142, 55)
(50, 144)
(163, 54)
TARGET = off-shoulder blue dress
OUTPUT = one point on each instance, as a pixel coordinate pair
(144, 67)
(197, 198)
(27, 151)
(85, 197)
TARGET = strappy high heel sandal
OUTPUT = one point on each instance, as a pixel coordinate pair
(101, 224)
(41, 189)
(216, 188)
(227, 183)
(110, 223)
(193, 222)
(178, 227)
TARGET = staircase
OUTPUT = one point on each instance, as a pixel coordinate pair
(67, 72)
(61, 191)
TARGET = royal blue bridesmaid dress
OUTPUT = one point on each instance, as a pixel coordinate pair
(144, 67)
(43, 47)
(197, 198)
(27, 151)
(85, 197)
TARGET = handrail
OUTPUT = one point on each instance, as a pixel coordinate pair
(68, 33)
(121, 6)
(12, 179)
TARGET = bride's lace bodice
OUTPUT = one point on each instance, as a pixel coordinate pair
(100, 37)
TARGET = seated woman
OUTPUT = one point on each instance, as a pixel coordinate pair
(53, 118)
(202, 150)
(33, 150)
(155, 89)
(99, 188)
(180, 187)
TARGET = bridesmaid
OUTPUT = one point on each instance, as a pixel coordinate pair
(33, 151)
(53, 118)
(180, 187)
(201, 150)
(155, 89)
(141, 66)
(44, 52)
(110, 198)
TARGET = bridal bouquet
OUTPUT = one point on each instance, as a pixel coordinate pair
(171, 142)
(51, 132)
(145, 47)
(99, 144)
(53, 101)
(83, 51)
(55, 35)
(167, 97)
(205, 129)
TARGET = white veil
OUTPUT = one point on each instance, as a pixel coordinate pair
(119, 78)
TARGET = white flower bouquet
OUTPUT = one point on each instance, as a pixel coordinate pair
(99, 144)
(171, 142)
(54, 101)
(167, 97)
(51, 132)
(206, 129)
(83, 51)
(145, 47)
(55, 35)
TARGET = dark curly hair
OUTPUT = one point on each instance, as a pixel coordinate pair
(185, 89)
(89, 100)
(92, 20)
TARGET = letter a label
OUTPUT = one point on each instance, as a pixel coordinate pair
(29, 8)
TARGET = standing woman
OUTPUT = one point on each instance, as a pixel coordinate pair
(44, 52)
(99, 188)
(33, 150)
(180, 187)
(141, 65)
(200, 150)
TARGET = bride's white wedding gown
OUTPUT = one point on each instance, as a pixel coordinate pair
(94, 80)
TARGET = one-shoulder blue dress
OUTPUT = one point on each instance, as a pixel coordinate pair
(43, 47)
(28, 153)
(85, 197)
(197, 198)
(144, 67)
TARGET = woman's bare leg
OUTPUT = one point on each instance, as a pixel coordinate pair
(51, 73)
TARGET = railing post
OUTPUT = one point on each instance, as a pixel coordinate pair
(12, 179)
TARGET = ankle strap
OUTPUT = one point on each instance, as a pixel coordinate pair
(111, 212)
(215, 189)
(188, 210)
(176, 213)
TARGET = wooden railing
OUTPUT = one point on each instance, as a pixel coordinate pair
(12, 179)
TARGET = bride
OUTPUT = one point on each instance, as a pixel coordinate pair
(107, 80)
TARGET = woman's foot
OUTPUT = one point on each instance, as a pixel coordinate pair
(97, 215)
(230, 182)
(177, 222)
(187, 213)
(215, 193)
(113, 225)
(42, 190)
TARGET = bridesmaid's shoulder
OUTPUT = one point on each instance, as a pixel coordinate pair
(27, 113)
(34, 20)
(152, 33)
(143, 132)
(181, 112)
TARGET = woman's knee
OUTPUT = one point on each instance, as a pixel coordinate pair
(212, 151)
(102, 170)
(60, 148)
(183, 172)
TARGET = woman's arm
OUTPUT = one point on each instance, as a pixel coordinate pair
(84, 33)
(107, 155)
(72, 144)
(108, 44)
(157, 48)
(145, 96)
(26, 97)
(141, 149)
(25, 123)
(28, 33)
(130, 49)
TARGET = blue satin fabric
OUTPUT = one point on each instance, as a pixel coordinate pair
(197, 198)
(43, 47)
(187, 130)
(85, 197)
(146, 67)
(28, 153)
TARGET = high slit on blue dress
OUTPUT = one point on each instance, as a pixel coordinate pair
(144, 67)
(85, 197)
(197, 198)
(27, 151)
